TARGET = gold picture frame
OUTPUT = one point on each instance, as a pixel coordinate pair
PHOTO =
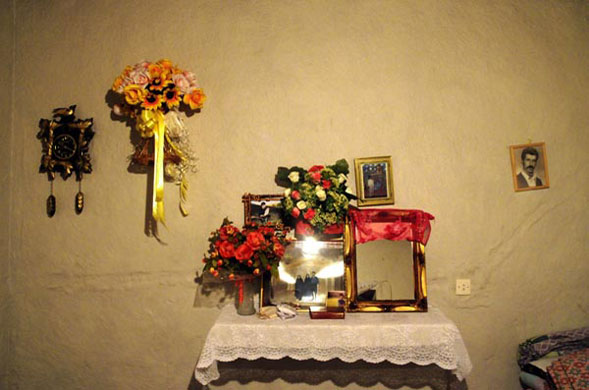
(263, 209)
(529, 166)
(374, 181)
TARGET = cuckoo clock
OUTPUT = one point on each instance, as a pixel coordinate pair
(66, 142)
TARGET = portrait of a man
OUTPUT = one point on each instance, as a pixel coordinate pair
(529, 166)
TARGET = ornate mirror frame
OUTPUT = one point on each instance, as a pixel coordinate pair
(410, 225)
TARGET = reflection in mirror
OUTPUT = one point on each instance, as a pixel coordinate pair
(307, 271)
(384, 270)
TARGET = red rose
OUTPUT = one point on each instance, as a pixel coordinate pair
(309, 214)
(227, 249)
(295, 212)
(226, 231)
(267, 231)
(316, 168)
(278, 249)
(255, 240)
(326, 184)
(295, 195)
(243, 252)
(316, 177)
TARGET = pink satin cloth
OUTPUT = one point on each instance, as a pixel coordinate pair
(390, 224)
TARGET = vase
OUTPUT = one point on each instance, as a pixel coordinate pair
(330, 232)
(247, 288)
(303, 229)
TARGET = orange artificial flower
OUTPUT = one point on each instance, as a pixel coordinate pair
(117, 83)
(172, 97)
(134, 94)
(158, 84)
(165, 64)
(152, 102)
(195, 99)
(154, 70)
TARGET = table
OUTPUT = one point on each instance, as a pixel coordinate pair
(399, 338)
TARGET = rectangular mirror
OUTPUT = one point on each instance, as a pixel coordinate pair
(384, 270)
(307, 271)
(385, 260)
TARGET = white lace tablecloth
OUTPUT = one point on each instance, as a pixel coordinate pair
(399, 338)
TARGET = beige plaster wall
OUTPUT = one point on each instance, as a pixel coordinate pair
(442, 86)
(6, 99)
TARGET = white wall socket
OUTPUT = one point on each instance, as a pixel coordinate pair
(462, 286)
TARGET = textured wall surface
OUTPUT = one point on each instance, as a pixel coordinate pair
(6, 99)
(442, 86)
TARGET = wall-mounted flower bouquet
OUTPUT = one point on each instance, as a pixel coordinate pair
(316, 199)
(153, 95)
(234, 253)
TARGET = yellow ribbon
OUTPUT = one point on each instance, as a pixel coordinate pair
(151, 124)
(183, 182)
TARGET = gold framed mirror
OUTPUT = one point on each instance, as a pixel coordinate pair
(384, 251)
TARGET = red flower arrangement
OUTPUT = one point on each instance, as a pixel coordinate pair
(235, 252)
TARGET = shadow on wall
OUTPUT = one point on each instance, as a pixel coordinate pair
(312, 372)
(213, 292)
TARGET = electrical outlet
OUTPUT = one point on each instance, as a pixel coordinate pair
(462, 286)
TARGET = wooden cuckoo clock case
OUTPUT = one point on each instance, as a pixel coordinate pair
(65, 141)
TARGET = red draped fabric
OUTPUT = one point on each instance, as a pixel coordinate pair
(390, 224)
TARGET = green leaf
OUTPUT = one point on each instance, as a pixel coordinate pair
(281, 177)
(282, 173)
(341, 166)
(263, 259)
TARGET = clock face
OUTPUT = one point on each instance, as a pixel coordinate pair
(64, 146)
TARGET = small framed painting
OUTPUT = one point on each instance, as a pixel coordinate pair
(374, 181)
(263, 209)
(529, 166)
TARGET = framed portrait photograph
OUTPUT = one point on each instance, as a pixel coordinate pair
(529, 166)
(263, 209)
(308, 271)
(374, 181)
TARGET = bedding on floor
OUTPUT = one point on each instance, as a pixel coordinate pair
(555, 361)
